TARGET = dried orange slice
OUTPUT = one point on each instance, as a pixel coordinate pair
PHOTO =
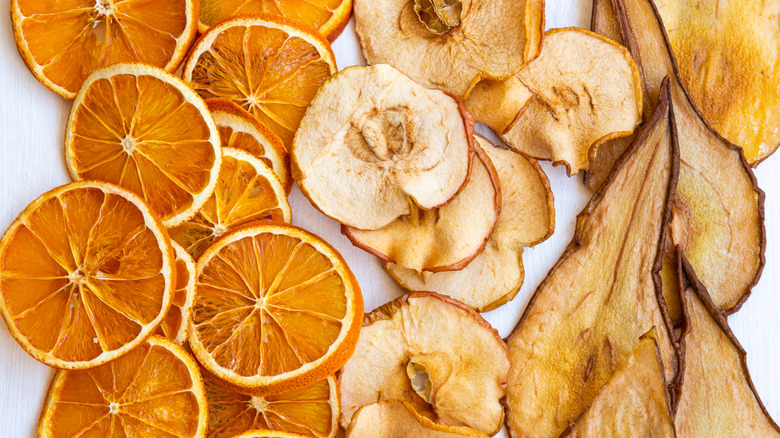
(247, 191)
(86, 274)
(62, 42)
(154, 391)
(330, 17)
(269, 66)
(241, 130)
(276, 309)
(176, 324)
(147, 131)
(311, 411)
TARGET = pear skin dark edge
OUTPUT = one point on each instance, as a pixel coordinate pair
(664, 105)
(625, 29)
(687, 278)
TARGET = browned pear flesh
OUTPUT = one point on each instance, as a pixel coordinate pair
(715, 395)
(394, 419)
(374, 145)
(527, 218)
(441, 239)
(587, 316)
(718, 209)
(727, 52)
(435, 354)
(585, 89)
(450, 44)
(634, 403)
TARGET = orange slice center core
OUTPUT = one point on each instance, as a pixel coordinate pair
(259, 404)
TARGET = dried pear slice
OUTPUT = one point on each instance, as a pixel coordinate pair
(634, 403)
(587, 316)
(718, 209)
(394, 419)
(450, 44)
(527, 218)
(586, 89)
(463, 357)
(374, 145)
(714, 392)
(604, 21)
(727, 54)
(447, 238)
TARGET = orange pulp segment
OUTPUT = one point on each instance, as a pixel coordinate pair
(241, 130)
(147, 131)
(247, 191)
(86, 274)
(62, 42)
(276, 309)
(154, 391)
(269, 66)
(329, 17)
(176, 322)
(311, 411)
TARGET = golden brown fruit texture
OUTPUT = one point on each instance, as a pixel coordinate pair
(527, 218)
(718, 209)
(450, 45)
(311, 411)
(587, 316)
(374, 143)
(445, 238)
(434, 353)
(727, 54)
(714, 393)
(634, 403)
(394, 419)
(585, 89)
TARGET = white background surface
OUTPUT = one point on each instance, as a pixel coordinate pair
(32, 124)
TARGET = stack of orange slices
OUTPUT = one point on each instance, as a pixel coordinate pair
(165, 282)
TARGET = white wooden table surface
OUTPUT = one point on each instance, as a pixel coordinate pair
(32, 124)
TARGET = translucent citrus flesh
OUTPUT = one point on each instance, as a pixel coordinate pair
(141, 133)
(69, 39)
(244, 141)
(307, 411)
(268, 304)
(313, 13)
(266, 71)
(82, 275)
(147, 393)
(174, 321)
(242, 196)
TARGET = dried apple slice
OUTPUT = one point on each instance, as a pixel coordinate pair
(527, 218)
(450, 44)
(587, 316)
(586, 89)
(718, 209)
(447, 238)
(394, 419)
(374, 145)
(434, 353)
(498, 103)
(634, 403)
(727, 57)
(714, 392)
